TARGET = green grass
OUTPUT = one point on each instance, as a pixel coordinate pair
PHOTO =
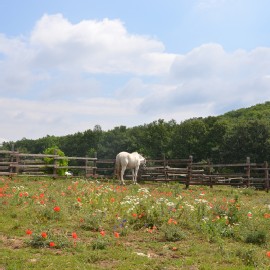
(101, 225)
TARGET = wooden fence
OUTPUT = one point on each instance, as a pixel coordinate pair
(185, 171)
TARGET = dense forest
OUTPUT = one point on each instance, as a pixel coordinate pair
(222, 139)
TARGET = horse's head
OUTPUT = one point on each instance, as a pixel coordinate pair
(142, 161)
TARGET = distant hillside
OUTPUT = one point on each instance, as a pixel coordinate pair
(256, 112)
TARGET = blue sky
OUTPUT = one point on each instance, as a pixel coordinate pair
(66, 66)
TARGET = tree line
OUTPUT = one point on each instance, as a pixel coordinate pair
(227, 138)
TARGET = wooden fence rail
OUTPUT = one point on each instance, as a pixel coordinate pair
(185, 171)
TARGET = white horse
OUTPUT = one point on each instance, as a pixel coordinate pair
(131, 161)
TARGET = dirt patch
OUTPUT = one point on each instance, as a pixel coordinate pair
(108, 264)
(13, 243)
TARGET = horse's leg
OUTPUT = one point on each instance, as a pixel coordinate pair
(122, 174)
(118, 171)
(135, 175)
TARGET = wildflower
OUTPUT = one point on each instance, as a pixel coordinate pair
(151, 230)
(28, 232)
(112, 200)
(102, 232)
(56, 209)
(116, 234)
(44, 235)
(268, 254)
(134, 215)
(74, 235)
(79, 199)
(249, 215)
(52, 244)
(172, 221)
(266, 215)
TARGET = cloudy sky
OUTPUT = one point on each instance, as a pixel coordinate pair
(68, 65)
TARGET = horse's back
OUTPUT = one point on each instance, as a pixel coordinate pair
(127, 159)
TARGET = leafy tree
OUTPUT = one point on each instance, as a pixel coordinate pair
(189, 139)
(217, 129)
(247, 138)
(59, 162)
(113, 142)
(157, 138)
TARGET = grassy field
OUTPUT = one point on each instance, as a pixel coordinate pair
(78, 224)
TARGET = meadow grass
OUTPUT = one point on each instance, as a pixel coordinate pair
(84, 224)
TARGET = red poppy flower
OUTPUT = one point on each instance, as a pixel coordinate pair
(74, 235)
(103, 233)
(268, 254)
(44, 235)
(52, 244)
(56, 209)
(29, 232)
(116, 234)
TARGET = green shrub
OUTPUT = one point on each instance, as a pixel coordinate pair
(173, 233)
(247, 256)
(99, 243)
(256, 237)
(93, 221)
(59, 162)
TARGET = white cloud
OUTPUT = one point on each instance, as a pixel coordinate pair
(97, 47)
(69, 77)
(38, 118)
(209, 75)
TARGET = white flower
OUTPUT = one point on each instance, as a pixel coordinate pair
(143, 190)
(170, 204)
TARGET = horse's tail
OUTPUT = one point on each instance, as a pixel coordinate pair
(117, 170)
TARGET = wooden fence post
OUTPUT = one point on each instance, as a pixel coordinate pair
(54, 165)
(248, 171)
(11, 168)
(95, 165)
(189, 172)
(209, 171)
(266, 175)
(86, 165)
(17, 163)
(165, 165)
